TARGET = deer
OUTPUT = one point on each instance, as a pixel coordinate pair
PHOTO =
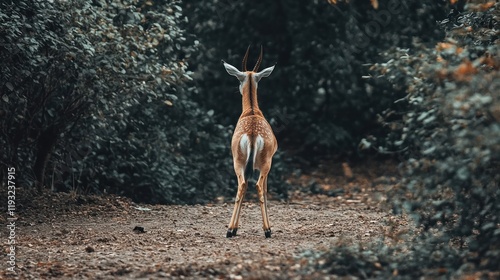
(253, 144)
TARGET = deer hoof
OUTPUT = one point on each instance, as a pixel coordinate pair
(268, 233)
(231, 232)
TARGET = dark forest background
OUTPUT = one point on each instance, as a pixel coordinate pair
(130, 97)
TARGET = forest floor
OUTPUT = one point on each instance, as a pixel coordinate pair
(68, 235)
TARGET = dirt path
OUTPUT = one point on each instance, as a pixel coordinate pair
(89, 237)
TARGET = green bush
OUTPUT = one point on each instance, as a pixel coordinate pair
(46, 82)
(452, 130)
(96, 97)
(448, 129)
(147, 140)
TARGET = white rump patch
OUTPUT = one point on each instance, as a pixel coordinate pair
(259, 145)
(245, 146)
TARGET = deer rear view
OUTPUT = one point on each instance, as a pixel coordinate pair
(253, 144)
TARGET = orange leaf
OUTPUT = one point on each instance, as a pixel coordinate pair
(443, 46)
(464, 70)
(488, 5)
(480, 7)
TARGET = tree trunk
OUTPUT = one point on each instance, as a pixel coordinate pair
(46, 143)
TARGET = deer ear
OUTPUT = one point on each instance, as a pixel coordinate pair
(233, 71)
(264, 73)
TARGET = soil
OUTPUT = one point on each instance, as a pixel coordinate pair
(69, 235)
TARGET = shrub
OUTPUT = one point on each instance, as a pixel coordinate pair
(447, 129)
(46, 82)
(98, 95)
(449, 132)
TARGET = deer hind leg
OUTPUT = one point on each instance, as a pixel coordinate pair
(233, 224)
(262, 190)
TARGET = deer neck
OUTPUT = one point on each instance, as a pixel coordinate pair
(249, 97)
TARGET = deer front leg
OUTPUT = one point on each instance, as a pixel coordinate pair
(262, 190)
(233, 224)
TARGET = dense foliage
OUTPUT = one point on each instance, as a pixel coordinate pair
(452, 131)
(46, 82)
(448, 129)
(317, 97)
(94, 97)
(148, 140)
